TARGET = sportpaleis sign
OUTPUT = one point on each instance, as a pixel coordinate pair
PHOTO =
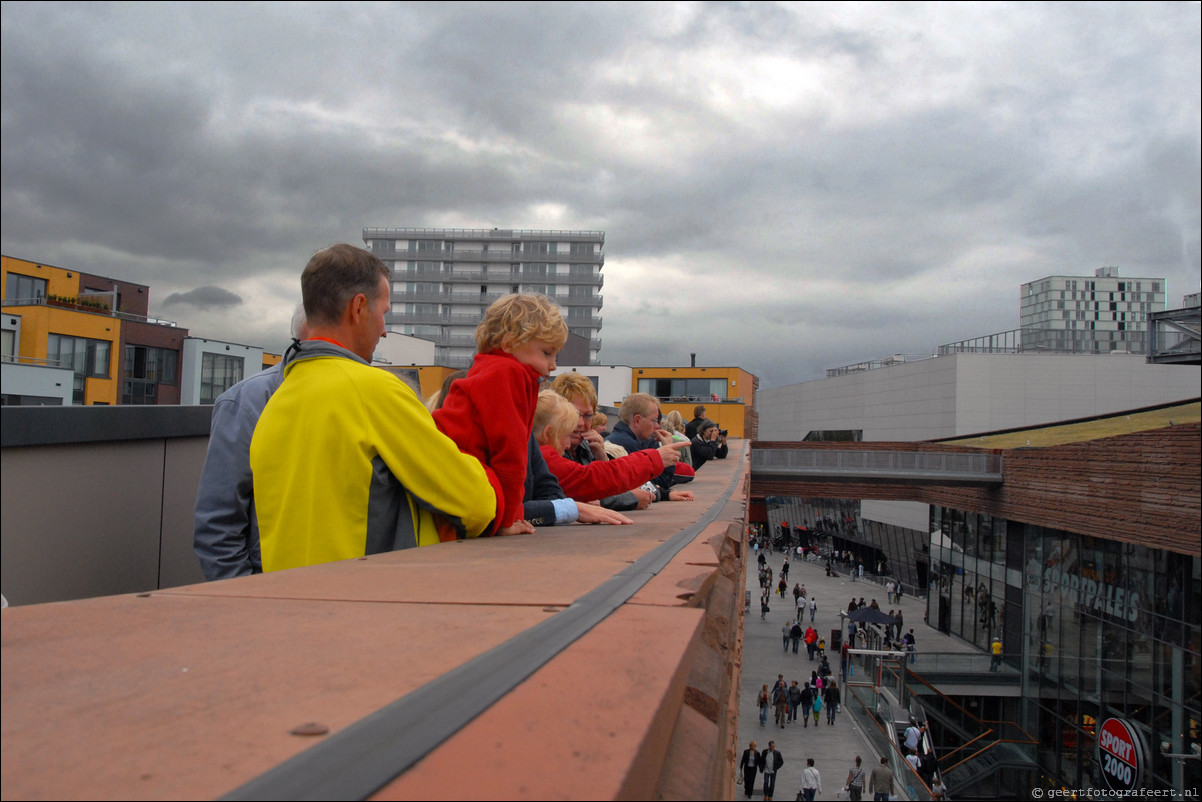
(1121, 755)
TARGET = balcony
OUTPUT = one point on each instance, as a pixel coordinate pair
(486, 298)
(462, 275)
(433, 318)
(93, 309)
(453, 234)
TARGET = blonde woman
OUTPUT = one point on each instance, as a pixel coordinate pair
(673, 422)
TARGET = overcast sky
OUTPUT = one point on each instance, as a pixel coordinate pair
(783, 187)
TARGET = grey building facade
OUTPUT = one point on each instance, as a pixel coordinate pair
(1098, 315)
(443, 279)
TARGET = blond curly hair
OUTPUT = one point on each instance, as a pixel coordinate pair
(516, 319)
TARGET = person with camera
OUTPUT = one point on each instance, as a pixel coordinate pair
(710, 443)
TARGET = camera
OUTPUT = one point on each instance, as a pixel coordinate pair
(723, 432)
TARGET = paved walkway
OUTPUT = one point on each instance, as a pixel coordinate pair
(833, 748)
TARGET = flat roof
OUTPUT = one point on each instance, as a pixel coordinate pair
(1085, 430)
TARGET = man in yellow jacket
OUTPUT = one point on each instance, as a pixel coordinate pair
(346, 460)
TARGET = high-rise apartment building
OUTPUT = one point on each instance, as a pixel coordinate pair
(1102, 314)
(443, 279)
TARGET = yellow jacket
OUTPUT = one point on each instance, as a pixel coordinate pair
(348, 462)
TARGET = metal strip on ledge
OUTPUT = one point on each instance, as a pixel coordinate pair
(369, 754)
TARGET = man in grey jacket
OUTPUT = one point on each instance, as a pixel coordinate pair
(225, 532)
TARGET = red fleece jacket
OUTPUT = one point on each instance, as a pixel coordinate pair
(488, 414)
(603, 477)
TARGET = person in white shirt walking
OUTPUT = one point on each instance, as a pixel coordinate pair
(811, 781)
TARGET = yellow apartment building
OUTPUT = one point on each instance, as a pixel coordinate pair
(55, 329)
(728, 394)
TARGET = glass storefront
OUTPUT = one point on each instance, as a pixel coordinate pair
(1098, 629)
(887, 551)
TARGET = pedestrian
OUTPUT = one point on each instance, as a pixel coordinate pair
(855, 781)
(794, 700)
(938, 789)
(782, 587)
(811, 639)
(780, 702)
(750, 764)
(763, 608)
(817, 705)
(995, 654)
(880, 782)
(927, 766)
(811, 781)
(911, 646)
(770, 763)
(889, 588)
(806, 702)
(833, 698)
(784, 634)
(763, 703)
(813, 608)
(913, 736)
(795, 635)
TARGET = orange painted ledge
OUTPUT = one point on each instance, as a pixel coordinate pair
(190, 693)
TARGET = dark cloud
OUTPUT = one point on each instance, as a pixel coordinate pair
(784, 187)
(204, 298)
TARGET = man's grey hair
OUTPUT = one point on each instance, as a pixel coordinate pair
(300, 323)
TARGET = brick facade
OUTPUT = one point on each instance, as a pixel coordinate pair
(1143, 488)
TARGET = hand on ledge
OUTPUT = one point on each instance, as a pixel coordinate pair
(517, 528)
(592, 514)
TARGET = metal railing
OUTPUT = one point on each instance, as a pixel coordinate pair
(698, 399)
(473, 233)
(92, 309)
(997, 743)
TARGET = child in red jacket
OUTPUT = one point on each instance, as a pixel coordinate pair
(489, 412)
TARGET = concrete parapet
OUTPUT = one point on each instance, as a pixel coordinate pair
(197, 691)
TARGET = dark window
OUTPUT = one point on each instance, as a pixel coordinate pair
(87, 358)
(218, 373)
(145, 369)
(25, 288)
